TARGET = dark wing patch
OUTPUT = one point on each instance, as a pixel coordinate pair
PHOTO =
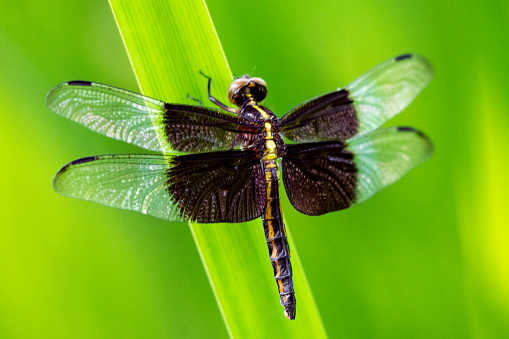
(194, 129)
(319, 177)
(330, 116)
(217, 187)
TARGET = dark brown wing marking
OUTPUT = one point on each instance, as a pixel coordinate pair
(216, 187)
(319, 177)
(330, 116)
(197, 129)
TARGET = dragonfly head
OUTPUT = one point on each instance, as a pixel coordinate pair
(240, 89)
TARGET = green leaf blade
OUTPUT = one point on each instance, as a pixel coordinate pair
(168, 44)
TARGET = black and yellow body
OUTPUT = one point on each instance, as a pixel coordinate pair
(271, 147)
(279, 251)
(246, 93)
(220, 165)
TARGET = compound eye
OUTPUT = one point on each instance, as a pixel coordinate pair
(239, 87)
(235, 87)
(258, 89)
(258, 81)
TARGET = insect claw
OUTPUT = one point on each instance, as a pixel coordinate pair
(194, 99)
(206, 76)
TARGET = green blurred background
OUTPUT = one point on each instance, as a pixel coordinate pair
(426, 257)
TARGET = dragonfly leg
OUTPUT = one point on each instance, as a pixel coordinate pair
(194, 99)
(212, 98)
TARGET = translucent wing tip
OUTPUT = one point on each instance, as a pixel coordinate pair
(424, 64)
(53, 96)
(427, 145)
(386, 155)
(60, 181)
(387, 89)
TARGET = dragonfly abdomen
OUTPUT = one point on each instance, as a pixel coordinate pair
(277, 243)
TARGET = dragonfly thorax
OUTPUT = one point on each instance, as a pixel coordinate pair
(247, 88)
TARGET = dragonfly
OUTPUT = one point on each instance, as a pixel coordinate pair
(223, 165)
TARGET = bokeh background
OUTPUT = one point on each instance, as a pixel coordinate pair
(426, 257)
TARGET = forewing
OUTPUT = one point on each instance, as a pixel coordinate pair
(147, 122)
(211, 187)
(363, 105)
(322, 177)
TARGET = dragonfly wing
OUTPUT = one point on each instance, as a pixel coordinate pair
(363, 105)
(327, 176)
(147, 122)
(206, 187)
